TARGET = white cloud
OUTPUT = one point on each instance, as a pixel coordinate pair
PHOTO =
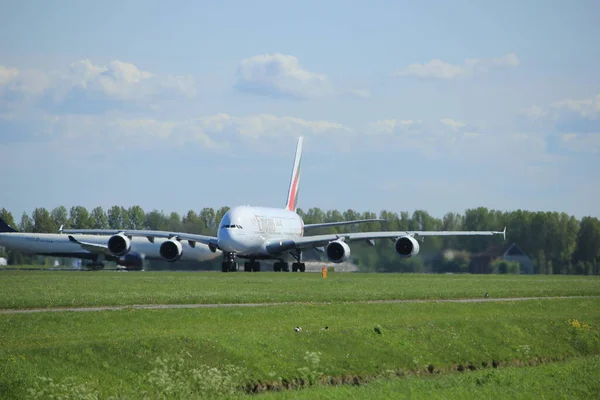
(83, 81)
(360, 93)
(499, 148)
(270, 125)
(436, 68)
(445, 137)
(222, 130)
(125, 81)
(280, 75)
(455, 125)
(176, 133)
(7, 75)
(588, 108)
(114, 132)
(471, 135)
(389, 126)
(25, 83)
(534, 112)
(567, 116)
(215, 131)
(448, 140)
(581, 142)
(585, 108)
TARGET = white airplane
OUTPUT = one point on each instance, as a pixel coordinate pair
(93, 247)
(262, 233)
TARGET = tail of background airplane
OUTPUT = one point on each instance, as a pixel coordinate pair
(4, 227)
(292, 197)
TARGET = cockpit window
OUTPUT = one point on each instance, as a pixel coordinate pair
(231, 227)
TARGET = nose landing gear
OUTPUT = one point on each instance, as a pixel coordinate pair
(229, 264)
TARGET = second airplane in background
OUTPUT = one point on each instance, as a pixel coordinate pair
(262, 233)
(96, 249)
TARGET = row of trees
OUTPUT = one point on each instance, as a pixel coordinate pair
(556, 242)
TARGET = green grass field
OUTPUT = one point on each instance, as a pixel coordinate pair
(29, 289)
(27, 267)
(574, 379)
(389, 348)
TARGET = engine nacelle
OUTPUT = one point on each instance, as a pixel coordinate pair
(119, 245)
(406, 246)
(131, 261)
(171, 250)
(337, 251)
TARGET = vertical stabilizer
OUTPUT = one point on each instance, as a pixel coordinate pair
(292, 197)
(4, 227)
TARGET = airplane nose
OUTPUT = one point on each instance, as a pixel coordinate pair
(228, 240)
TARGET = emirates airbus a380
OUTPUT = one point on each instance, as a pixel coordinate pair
(263, 233)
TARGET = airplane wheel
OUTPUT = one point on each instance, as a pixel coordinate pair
(95, 267)
(298, 267)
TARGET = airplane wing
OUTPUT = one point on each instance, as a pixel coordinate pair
(93, 247)
(305, 242)
(150, 235)
(308, 242)
(329, 224)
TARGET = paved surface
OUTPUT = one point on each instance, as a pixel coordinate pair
(170, 306)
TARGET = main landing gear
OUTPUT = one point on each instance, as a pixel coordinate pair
(283, 266)
(297, 266)
(229, 264)
(94, 266)
(252, 266)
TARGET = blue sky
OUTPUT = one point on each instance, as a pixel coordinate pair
(404, 105)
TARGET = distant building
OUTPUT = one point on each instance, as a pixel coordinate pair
(480, 262)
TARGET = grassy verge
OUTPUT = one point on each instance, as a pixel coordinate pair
(230, 350)
(28, 267)
(30, 289)
(573, 379)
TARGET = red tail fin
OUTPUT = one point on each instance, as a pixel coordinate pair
(292, 197)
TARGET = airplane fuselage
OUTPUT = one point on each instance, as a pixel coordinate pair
(59, 245)
(247, 231)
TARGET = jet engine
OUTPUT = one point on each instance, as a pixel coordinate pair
(119, 245)
(131, 261)
(406, 246)
(337, 251)
(171, 250)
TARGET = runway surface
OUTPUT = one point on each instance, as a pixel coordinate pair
(172, 306)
